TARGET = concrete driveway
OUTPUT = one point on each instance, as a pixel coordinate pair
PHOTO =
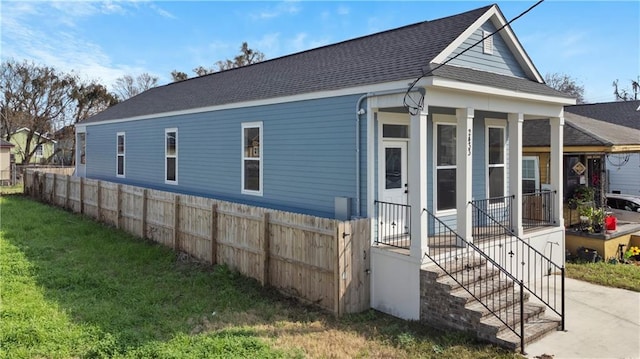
(601, 322)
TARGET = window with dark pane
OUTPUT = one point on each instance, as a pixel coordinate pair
(171, 168)
(496, 163)
(446, 189)
(171, 155)
(395, 131)
(252, 157)
(446, 141)
(393, 168)
(120, 154)
(446, 145)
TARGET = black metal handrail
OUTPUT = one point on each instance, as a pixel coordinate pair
(521, 255)
(394, 224)
(537, 209)
(464, 268)
(496, 207)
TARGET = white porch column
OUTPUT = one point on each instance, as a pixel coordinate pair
(555, 167)
(515, 169)
(417, 158)
(464, 161)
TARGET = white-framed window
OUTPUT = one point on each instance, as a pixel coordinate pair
(38, 152)
(171, 155)
(120, 154)
(82, 147)
(530, 174)
(496, 162)
(445, 142)
(252, 152)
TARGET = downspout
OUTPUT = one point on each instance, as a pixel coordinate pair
(359, 112)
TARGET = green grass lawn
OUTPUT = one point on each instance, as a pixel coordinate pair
(625, 276)
(72, 288)
(11, 189)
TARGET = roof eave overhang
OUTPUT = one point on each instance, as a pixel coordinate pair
(364, 89)
(497, 91)
(586, 149)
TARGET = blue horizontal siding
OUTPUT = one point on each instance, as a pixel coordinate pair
(308, 158)
(502, 60)
(479, 171)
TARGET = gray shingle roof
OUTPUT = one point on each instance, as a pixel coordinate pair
(393, 55)
(4, 143)
(580, 131)
(620, 113)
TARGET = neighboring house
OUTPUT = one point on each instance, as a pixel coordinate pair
(623, 169)
(64, 146)
(600, 151)
(5, 161)
(44, 150)
(326, 132)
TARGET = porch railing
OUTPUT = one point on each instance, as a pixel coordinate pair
(469, 262)
(537, 209)
(394, 224)
(535, 269)
(499, 210)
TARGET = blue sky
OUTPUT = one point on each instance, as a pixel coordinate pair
(594, 42)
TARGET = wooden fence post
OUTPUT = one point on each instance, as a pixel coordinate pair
(24, 182)
(99, 195)
(176, 223)
(35, 184)
(336, 269)
(119, 206)
(214, 233)
(266, 249)
(53, 190)
(81, 195)
(144, 213)
(66, 198)
(346, 268)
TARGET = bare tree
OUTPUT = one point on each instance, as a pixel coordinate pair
(201, 70)
(35, 97)
(89, 99)
(127, 86)
(565, 84)
(247, 56)
(624, 94)
(178, 76)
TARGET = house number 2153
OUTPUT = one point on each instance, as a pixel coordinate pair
(469, 143)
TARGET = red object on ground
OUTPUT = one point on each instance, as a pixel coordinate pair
(610, 223)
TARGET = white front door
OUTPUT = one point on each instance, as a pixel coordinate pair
(393, 211)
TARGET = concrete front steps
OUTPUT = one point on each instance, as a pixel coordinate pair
(444, 303)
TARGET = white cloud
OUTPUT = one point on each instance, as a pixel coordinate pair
(298, 42)
(46, 35)
(69, 13)
(573, 44)
(301, 42)
(110, 7)
(268, 44)
(282, 8)
(343, 10)
(162, 12)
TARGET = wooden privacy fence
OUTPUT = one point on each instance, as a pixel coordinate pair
(318, 260)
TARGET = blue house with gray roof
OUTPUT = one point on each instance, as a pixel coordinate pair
(410, 127)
